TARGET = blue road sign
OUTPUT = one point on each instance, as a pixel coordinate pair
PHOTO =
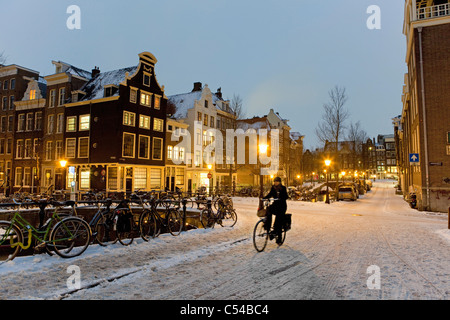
(414, 157)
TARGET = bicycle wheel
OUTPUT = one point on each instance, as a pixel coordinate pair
(229, 218)
(207, 219)
(147, 225)
(70, 237)
(260, 236)
(174, 222)
(126, 233)
(9, 233)
(103, 229)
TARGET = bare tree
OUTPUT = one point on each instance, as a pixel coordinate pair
(2, 59)
(332, 126)
(356, 135)
(237, 107)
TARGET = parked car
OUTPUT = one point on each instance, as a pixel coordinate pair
(369, 185)
(347, 192)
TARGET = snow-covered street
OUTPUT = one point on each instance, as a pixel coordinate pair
(326, 256)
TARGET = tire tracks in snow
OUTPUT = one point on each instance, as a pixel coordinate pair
(159, 264)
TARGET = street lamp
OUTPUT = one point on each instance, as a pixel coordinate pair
(343, 176)
(327, 164)
(63, 163)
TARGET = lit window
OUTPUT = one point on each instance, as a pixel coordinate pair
(144, 122)
(85, 122)
(71, 125)
(85, 179)
(140, 178)
(158, 125)
(129, 118)
(32, 94)
(157, 102)
(169, 152)
(146, 99)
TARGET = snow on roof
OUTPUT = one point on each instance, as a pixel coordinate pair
(295, 135)
(185, 101)
(95, 87)
(42, 84)
(76, 71)
(260, 124)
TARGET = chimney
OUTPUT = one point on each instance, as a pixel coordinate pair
(197, 86)
(95, 72)
(219, 93)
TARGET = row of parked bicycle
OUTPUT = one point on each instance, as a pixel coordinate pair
(69, 235)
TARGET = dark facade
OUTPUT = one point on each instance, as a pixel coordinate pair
(115, 132)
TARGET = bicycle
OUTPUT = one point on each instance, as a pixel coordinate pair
(151, 218)
(102, 224)
(68, 237)
(225, 216)
(261, 235)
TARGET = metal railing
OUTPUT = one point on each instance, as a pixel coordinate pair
(436, 11)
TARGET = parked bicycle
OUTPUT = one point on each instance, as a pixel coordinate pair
(67, 236)
(225, 215)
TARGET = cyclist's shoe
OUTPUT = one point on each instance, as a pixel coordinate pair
(272, 235)
(279, 240)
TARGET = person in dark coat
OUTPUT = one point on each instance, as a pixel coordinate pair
(278, 208)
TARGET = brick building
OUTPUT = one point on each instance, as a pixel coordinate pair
(425, 124)
(14, 81)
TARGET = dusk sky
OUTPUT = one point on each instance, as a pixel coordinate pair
(284, 55)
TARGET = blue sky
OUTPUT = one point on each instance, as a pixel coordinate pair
(284, 54)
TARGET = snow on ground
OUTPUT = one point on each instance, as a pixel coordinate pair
(326, 256)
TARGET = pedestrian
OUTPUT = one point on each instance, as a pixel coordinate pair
(277, 208)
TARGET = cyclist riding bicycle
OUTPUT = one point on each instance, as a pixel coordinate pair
(278, 208)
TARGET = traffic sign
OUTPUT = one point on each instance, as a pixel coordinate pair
(210, 175)
(414, 158)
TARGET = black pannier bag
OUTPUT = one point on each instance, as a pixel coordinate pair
(124, 221)
(287, 221)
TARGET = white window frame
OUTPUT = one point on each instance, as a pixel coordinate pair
(68, 121)
(74, 148)
(80, 122)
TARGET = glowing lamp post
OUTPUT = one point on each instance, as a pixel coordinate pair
(327, 164)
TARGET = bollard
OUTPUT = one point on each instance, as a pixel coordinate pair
(184, 202)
